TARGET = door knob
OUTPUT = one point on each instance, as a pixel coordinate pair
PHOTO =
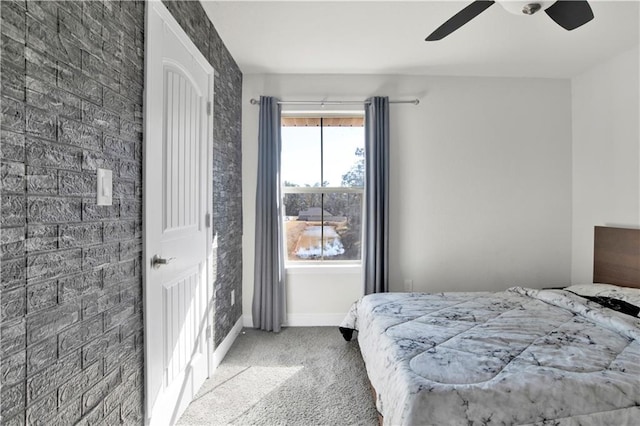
(157, 261)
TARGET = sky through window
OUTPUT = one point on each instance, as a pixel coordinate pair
(301, 153)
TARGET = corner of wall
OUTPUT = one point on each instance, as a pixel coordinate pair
(605, 154)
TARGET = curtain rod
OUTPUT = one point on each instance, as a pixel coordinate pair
(256, 102)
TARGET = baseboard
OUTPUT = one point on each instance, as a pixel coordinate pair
(314, 320)
(247, 321)
(221, 351)
(305, 320)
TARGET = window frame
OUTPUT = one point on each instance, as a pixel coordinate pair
(322, 262)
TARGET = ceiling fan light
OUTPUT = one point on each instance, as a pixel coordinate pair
(527, 7)
(531, 8)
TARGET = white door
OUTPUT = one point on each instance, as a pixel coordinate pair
(177, 188)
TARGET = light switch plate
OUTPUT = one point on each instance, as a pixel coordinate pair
(105, 187)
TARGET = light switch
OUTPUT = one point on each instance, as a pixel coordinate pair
(105, 187)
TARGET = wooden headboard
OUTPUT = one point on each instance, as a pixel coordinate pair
(616, 256)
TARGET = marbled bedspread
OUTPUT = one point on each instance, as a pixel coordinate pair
(520, 356)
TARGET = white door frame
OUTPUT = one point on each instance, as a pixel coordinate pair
(151, 83)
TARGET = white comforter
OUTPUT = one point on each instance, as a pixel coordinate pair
(516, 357)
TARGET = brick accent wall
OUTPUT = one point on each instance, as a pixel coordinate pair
(227, 169)
(72, 85)
(71, 289)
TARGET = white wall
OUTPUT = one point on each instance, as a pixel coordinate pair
(606, 154)
(480, 180)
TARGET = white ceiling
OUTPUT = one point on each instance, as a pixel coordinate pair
(387, 37)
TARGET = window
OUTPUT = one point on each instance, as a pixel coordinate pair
(322, 176)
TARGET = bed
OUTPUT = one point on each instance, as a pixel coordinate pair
(522, 356)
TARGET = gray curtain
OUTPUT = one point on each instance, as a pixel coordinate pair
(376, 212)
(268, 293)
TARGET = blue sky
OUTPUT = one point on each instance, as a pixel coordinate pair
(301, 153)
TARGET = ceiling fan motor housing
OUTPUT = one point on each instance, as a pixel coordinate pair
(528, 7)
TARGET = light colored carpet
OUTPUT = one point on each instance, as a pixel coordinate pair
(300, 376)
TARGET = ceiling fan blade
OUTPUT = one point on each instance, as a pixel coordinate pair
(459, 19)
(570, 14)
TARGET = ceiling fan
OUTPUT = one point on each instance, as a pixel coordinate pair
(568, 14)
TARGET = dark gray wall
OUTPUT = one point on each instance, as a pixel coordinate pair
(72, 344)
(72, 335)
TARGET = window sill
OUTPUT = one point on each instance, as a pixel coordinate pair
(325, 268)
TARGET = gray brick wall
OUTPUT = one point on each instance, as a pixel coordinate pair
(71, 101)
(227, 169)
(71, 293)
